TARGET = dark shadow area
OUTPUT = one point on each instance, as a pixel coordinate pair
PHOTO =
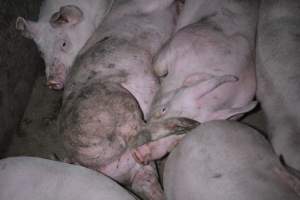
(19, 64)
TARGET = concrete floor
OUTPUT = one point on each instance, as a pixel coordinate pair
(38, 131)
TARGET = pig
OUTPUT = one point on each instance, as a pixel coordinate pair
(232, 16)
(207, 69)
(278, 61)
(40, 179)
(103, 130)
(63, 28)
(227, 160)
(108, 94)
(124, 46)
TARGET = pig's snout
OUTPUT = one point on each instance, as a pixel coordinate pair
(56, 76)
(55, 85)
(158, 114)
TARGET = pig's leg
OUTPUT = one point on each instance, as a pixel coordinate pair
(145, 184)
(171, 126)
(120, 168)
(156, 149)
(143, 179)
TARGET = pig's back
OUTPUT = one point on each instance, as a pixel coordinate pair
(224, 160)
(278, 50)
(40, 179)
(146, 30)
(233, 16)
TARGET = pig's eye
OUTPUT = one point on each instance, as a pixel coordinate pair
(163, 110)
(65, 45)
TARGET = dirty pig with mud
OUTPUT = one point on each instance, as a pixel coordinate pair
(109, 91)
(143, 79)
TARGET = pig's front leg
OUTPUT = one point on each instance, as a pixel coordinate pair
(156, 149)
(170, 126)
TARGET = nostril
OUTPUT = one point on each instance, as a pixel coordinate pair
(54, 85)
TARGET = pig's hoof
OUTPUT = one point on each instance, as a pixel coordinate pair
(140, 156)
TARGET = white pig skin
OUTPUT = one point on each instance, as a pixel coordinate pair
(63, 28)
(129, 38)
(207, 69)
(109, 92)
(226, 160)
(278, 75)
(232, 16)
(40, 179)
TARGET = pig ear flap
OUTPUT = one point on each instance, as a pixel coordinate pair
(196, 79)
(203, 83)
(28, 28)
(234, 112)
(69, 15)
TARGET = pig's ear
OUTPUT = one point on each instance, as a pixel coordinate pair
(69, 15)
(232, 112)
(196, 78)
(203, 83)
(206, 84)
(29, 29)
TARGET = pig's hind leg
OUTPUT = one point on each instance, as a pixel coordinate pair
(141, 179)
(156, 149)
(145, 183)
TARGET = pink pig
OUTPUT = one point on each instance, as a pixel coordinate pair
(109, 92)
(63, 28)
(207, 69)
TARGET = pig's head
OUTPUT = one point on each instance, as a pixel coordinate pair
(162, 105)
(187, 101)
(184, 103)
(58, 41)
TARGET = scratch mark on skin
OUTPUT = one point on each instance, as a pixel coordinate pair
(102, 40)
(217, 176)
